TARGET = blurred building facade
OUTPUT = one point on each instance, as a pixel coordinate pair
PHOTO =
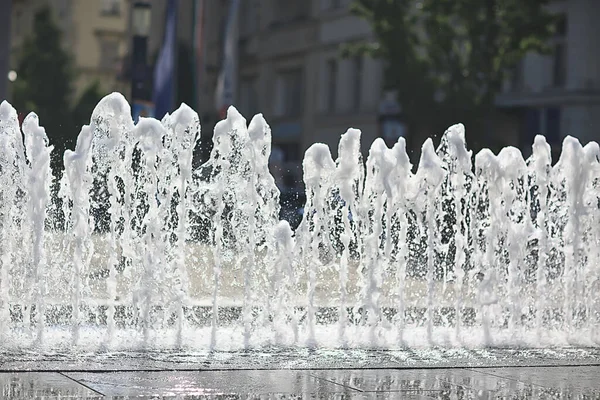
(559, 94)
(290, 69)
(5, 16)
(94, 32)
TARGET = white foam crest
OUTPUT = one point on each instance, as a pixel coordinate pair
(456, 140)
(110, 123)
(234, 124)
(318, 165)
(150, 133)
(511, 162)
(349, 163)
(259, 133)
(399, 149)
(429, 170)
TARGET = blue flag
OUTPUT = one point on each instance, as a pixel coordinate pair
(226, 82)
(164, 70)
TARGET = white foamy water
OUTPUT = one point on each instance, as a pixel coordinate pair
(136, 249)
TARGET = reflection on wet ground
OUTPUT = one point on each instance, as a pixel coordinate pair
(41, 385)
(568, 374)
(458, 383)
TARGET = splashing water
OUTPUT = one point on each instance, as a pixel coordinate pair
(139, 250)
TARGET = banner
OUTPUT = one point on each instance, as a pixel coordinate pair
(227, 81)
(164, 71)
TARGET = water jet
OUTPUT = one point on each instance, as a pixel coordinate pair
(139, 250)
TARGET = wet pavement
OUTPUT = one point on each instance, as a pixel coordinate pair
(337, 374)
(295, 358)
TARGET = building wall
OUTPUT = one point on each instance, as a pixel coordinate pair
(85, 25)
(100, 43)
(23, 12)
(269, 47)
(583, 71)
(185, 18)
(583, 53)
(577, 96)
(582, 121)
(273, 43)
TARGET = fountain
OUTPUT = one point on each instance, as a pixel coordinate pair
(136, 249)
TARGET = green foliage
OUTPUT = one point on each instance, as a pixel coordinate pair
(449, 58)
(45, 78)
(45, 86)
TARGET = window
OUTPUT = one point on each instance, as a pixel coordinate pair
(553, 126)
(289, 11)
(392, 129)
(289, 93)
(531, 127)
(517, 76)
(552, 131)
(248, 99)
(109, 53)
(248, 17)
(357, 81)
(111, 7)
(561, 26)
(559, 65)
(331, 84)
(559, 68)
(546, 121)
(331, 5)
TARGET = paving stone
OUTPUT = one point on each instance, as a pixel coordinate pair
(41, 385)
